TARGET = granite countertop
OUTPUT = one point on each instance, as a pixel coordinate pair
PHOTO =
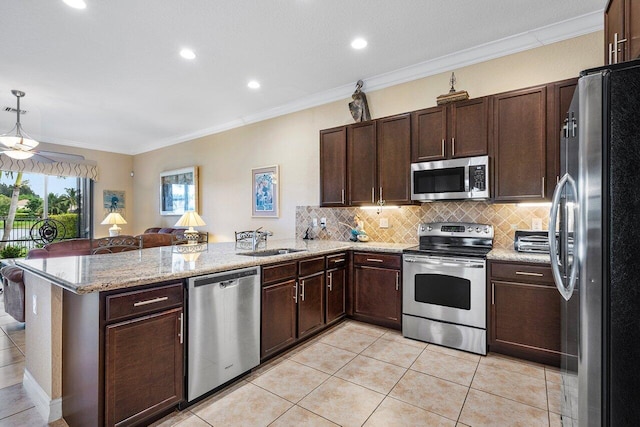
(96, 273)
(502, 254)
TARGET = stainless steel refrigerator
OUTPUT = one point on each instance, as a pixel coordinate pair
(596, 260)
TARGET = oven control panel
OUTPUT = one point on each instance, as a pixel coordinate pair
(456, 229)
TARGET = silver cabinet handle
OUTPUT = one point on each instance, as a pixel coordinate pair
(442, 147)
(543, 190)
(295, 292)
(150, 301)
(453, 147)
(610, 53)
(330, 284)
(493, 293)
(373, 195)
(616, 42)
(302, 289)
(342, 196)
(374, 260)
(526, 273)
(397, 280)
(335, 261)
(381, 199)
(181, 334)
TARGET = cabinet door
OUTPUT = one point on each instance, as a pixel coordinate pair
(632, 29)
(278, 326)
(519, 145)
(469, 128)
(336, 286)
(333, 167)
(560, 94)
(377, 295)
(310, 304)
(362, 163)
(394, 159)
(429, 132)
(525, 321)
(143, 367)
(614, 31)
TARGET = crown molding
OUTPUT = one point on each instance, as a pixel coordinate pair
(574, 27)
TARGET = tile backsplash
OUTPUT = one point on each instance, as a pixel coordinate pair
(403, 222)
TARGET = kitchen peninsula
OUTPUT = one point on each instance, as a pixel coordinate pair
(75, 305)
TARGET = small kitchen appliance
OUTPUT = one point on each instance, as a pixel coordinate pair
(444, 285)
(453, 179)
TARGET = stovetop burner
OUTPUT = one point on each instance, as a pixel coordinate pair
(454, 238)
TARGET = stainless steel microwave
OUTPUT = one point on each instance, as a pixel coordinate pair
(455, 179)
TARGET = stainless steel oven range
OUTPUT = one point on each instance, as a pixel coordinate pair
(444, 285)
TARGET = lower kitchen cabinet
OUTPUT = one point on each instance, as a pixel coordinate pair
(525, 313)
(311, 303)
(377, 289)
(123, 355)
(336, 285)
(278, 317)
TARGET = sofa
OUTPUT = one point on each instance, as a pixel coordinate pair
(12, 278)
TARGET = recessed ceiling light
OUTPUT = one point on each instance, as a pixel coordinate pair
(76, 4)
(187, 54)
(359, 43)
(253, 84)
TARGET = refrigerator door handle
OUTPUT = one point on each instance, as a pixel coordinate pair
(565, 291)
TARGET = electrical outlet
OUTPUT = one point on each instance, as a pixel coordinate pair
(384, 222)
(34, 304)
(514, 226)
(314, 222)
(323, 223)
(536, 223)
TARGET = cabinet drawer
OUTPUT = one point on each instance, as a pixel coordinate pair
(377, 260)
(138, 303)
(336, 260)
(311, 266)
(279, 272)
(538, 273)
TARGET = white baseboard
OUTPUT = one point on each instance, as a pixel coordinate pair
(50, 409)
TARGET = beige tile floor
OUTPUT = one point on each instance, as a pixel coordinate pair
(352, 375)
(362, 375)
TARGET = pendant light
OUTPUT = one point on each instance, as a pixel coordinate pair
(17, 140)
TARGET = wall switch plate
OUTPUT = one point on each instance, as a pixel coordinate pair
(536, 223)
(384, 222)
(314, 222)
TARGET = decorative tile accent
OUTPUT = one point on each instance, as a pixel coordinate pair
(403, 222)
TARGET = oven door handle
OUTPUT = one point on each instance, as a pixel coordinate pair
(443, 263)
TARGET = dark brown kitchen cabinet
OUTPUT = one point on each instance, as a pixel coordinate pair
(525, 313)
(519, 145)
(123, 355)
(336, 285)
(362, 161)
(279, 308)
(311, 296)
(333, 167)
(377, 289)
(394, 159)
(621, 31)
(459, 129)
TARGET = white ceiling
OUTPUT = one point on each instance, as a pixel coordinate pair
(109, 77)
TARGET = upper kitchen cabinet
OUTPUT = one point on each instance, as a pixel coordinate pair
(449, 131)
(519, 145)
(378, 161)
(394, 159)
(333, 166)
(361, 163)
(621, 31)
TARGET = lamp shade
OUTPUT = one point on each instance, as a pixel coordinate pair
(113, 218)
(190, 219)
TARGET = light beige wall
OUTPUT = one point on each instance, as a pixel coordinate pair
(114, 174)
(291, 141)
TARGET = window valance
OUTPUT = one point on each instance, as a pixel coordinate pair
(82, 169)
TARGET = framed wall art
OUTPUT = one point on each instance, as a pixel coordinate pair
(265, 198)
(179, 191)
(113, 200)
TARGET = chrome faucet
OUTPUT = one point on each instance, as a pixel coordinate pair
(259, 236)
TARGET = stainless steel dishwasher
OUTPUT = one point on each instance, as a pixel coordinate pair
(223, 329)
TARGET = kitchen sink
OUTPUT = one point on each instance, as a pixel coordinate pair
(272, 252)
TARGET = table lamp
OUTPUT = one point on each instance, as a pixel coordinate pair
(190, 219)
(114, 218)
